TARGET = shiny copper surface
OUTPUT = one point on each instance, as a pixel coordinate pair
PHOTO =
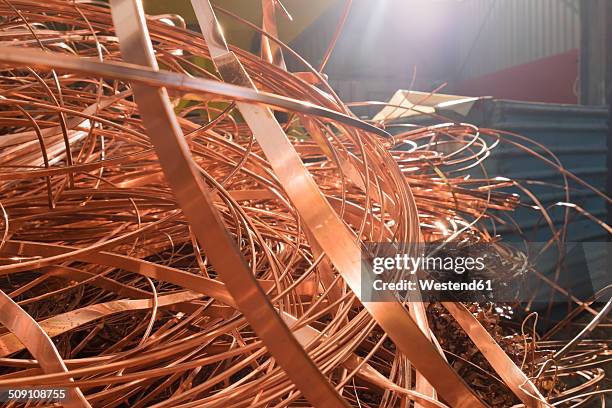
(168, 242)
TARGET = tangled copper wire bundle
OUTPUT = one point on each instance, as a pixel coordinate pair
(168, 243)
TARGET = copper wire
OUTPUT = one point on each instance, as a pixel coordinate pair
(100, 252)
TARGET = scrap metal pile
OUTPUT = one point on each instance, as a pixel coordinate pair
(168, 242)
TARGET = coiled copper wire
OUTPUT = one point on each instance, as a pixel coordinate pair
(98, 254)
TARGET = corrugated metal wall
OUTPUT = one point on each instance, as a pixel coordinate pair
(446, 41)
(576, 135)
(497, 34)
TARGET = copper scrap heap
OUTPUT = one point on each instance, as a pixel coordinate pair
(169, 243)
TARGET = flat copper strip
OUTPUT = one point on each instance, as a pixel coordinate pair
(61, 323)
(145, 75)
(201, 284)
(331, 233)
(197, 204)
(270, 51)
(25, 328)
(516, 380)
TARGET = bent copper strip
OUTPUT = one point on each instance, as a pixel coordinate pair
(270, 51)
(331, 233)
(73, 123)
(61, 323)
(39, 344)
(516, 380)
(427, 205)
(197, 205)
(307, 334)
(373, 376)
(201, 284)
(99, 246)
(75, 168)
(98, 280)
(144, 75)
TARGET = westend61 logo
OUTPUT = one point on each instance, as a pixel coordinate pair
(484, 272)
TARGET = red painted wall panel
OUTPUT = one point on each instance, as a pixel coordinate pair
(551, 79)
